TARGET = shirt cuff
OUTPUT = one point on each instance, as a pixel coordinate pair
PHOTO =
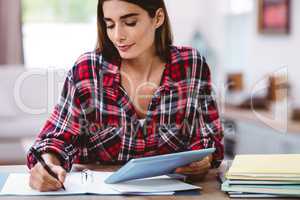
(53, 146)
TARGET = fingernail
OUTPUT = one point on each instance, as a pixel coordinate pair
(193, 164)
(58, 185)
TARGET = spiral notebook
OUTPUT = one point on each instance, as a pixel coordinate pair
(92, 182)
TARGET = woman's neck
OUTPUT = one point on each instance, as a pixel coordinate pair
(143, 65)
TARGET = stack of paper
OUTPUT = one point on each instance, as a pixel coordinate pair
(276, 175)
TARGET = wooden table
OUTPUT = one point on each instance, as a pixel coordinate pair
(211, 187)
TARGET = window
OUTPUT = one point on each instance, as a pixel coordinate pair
(56, 32)
(241, 6)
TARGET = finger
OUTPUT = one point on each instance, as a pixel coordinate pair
(198, 163)
(48, 179)
(45, 186)
(33, 180)
(182, 170)
(201, 162)
(178, 170)
(61, 173)
(58, 170)
(37, 182)
(185, 169)
(196, 166)
(204, 169)
(189, 167)
(193, 169)
(204, 166)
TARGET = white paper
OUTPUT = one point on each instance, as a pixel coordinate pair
(96, 185)
(156, 184)
(18, 184)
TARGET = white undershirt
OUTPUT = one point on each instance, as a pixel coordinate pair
(142, 121)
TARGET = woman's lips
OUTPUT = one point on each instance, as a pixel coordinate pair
(125, 48)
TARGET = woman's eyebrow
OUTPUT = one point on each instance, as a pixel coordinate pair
(123, 16)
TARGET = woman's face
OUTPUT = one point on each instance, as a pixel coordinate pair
(130, 28)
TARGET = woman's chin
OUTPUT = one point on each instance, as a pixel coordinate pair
(127, 55)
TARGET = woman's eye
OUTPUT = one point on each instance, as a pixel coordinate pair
(109, 26)
(130, 23)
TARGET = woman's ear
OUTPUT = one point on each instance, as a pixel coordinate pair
(159, 17)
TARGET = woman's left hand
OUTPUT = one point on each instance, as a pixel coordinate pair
(196, 168)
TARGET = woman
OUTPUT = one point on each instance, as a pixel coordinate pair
(136, 95)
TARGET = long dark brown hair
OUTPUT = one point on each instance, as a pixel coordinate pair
(163, 35)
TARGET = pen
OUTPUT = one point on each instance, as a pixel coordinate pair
(46, 167)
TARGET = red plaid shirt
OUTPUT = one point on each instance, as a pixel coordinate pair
(95, 121)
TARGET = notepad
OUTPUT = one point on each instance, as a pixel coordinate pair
(93, 183)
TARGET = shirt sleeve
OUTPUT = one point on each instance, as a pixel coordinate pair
(61, 131)
(204, 124)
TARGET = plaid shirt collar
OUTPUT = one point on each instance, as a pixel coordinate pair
(111, 71)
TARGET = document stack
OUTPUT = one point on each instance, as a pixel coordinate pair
(273, 175)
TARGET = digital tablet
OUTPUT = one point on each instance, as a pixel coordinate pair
(156, 165)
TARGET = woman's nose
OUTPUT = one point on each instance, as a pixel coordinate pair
(119, 34)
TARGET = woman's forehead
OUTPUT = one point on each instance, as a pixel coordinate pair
(116, 9)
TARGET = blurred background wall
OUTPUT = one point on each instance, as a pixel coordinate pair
(11, 32)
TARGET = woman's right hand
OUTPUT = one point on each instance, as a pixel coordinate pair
(41, 180)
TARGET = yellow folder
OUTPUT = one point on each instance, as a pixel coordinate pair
(265, 167)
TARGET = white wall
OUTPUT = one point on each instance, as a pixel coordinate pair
(240, 47)
(268, 53)
(203, 15)
(184, 19)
